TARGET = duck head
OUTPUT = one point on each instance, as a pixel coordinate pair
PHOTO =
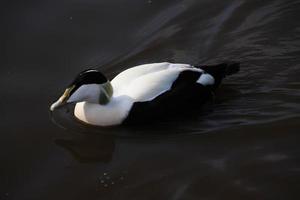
(89, 86)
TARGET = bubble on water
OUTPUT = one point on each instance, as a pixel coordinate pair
(109, 180)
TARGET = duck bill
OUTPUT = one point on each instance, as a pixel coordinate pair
(62, 100)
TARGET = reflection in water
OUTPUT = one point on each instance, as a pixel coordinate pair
(244, 162)
(89, 148)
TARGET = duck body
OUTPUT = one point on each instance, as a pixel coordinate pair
(152, 91)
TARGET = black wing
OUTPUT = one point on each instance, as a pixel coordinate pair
(184, 95)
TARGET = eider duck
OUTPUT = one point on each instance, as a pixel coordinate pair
(143, 92)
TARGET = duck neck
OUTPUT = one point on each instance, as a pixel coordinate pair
(106, 92)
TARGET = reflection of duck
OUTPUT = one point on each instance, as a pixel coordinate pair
(90, 148)
(143, 92)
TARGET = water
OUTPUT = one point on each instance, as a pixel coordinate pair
(245, 147)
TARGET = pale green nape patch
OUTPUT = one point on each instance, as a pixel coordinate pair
(106, 93)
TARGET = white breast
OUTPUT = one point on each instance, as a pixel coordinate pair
(110, 114)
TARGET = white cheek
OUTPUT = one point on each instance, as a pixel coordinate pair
(88, 93)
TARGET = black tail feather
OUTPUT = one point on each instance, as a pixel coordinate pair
(232, 68)
(222, 70)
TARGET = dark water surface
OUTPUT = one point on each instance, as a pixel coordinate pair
(245, 147)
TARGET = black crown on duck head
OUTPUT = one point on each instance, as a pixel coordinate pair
(89, 76)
